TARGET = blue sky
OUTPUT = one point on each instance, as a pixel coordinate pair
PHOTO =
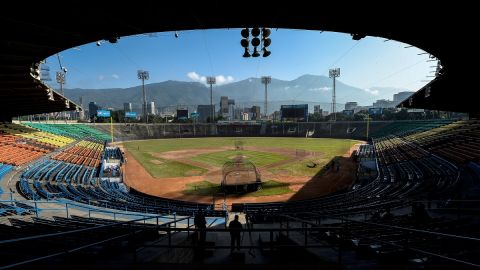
(370, 62)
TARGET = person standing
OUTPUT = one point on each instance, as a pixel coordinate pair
(201, 224)
(235, 228)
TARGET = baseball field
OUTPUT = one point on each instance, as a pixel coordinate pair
(191, 168)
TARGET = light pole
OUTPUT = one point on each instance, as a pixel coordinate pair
(60, 77)
(334, 73)
(211, 81)
(266, 80)
(143, 75)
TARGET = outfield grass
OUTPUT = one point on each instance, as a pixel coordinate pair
(324, 145)
(166, 168)
(205, 188)
(258, 158)
(300, 167)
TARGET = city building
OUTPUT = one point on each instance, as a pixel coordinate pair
(231, 109)
(255, 111)
(351, 105)
(151, 108)
(237, 113)
(383, 103)
(204, 112)
(92, 109)
(401, 96)
(224, 107)
(127, 106)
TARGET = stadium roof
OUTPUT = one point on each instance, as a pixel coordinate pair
(29, 36)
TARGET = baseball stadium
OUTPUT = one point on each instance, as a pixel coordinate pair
(236, 171)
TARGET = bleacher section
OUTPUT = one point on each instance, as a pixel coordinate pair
(70, 174)
(85, 153)
(30, 133)
(58, 180)
(19, 146)
(408, 127)
(4, 169)
(458, 142)
(405, 171)
(78, 131)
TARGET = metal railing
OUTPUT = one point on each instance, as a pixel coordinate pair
(133, 229)
(407, 234)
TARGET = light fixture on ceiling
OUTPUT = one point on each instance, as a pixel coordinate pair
(260, 39)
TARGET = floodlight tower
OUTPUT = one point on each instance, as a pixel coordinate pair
(144, 75)
(60, 77)
(334, 73)
(266, 80)
(211, 81)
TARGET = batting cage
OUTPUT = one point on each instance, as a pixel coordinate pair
(240, 175)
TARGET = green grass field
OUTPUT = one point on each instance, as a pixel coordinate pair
(143, 150)
(301, 168)
(167, 168)
(206, 188)
(258, 158)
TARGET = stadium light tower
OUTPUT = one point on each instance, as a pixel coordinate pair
(266, 80)
(60, 77)
(334, 73)
(143, 75)
(61, 80)
(211, 81)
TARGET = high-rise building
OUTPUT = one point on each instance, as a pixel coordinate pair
(224, 106)
(231, 109)
(317, 109)
(151, 108)
(351, 105)
(127, 106)
(401, 96)
(92, 109)
(383, 103)
(255, 112)
(204, 112)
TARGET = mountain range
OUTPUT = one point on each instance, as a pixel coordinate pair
(310, 89)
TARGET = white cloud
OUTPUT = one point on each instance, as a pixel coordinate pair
(287, 87)
(115, 76)
(101, 77)
(193, 75)
(196, 77)
(224, 80)
(296, 86)
(220, 79)
(372, 91)
(320, 89)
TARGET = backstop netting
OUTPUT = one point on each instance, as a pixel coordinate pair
(240, 175)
